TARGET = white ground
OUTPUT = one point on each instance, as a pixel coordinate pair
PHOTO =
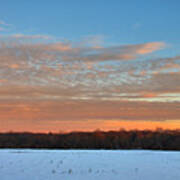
(88, 165)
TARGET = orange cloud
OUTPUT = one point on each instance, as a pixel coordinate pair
(149, 95)
(84, 109)
(150, 47)
(14, 66)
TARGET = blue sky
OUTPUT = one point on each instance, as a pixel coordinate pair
(118, 21)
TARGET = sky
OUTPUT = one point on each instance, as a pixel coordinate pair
(87, 65)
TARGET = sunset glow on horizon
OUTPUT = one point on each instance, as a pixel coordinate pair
(67, 69)
(88, 126)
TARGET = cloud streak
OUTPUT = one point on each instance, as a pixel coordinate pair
(44, 80)
(4, 26)
(73, 52)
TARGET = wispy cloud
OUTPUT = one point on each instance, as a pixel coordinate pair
(83, 52)
(4, 23)
(36, 36)
(5, 26)
(137, 25)
(93, 82)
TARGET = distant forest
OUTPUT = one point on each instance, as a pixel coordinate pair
(146, 139)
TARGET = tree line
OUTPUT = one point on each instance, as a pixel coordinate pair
(134, 139)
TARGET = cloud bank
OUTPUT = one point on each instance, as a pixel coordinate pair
(42, 79)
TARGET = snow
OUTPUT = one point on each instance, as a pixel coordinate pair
(29, 164)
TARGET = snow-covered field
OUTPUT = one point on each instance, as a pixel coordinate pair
(89, 165)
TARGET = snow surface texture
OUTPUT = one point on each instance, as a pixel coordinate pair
(89, 165)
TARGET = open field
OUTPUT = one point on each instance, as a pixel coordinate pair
(18, 164)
